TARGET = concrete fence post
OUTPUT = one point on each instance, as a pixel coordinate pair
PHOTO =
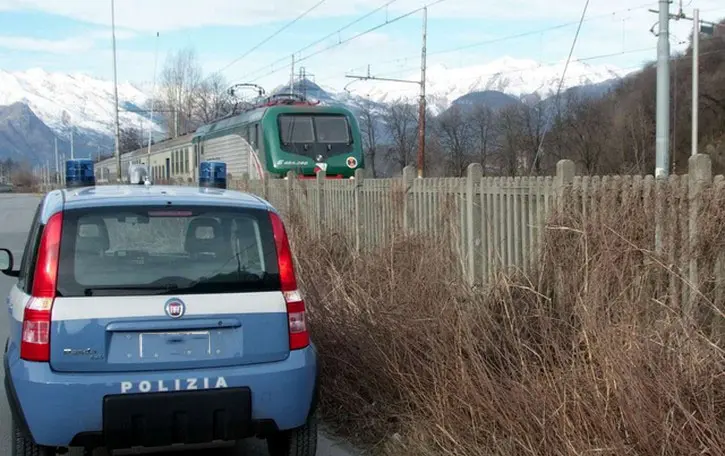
(320, 202)
(699, 177)
(474, 174)
(244, 183)
(565, 173)
(265, 186)
(409, 173)
(290, 184)
(359, 219)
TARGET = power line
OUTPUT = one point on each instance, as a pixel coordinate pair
(354, 37)
(404, 70)
(515, 36)
(336, 32)
(553, 63)
(277, 32)
(561, 81)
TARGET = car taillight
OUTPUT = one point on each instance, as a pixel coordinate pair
(35, 343)
(299, 336)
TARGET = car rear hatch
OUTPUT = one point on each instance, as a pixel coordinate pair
(147, 288)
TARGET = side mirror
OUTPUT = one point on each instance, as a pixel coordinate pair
(6, 263)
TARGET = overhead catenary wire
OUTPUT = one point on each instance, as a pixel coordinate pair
(411, 68)
(330, 35)
(268, 38)
(408, 69)
(511, 37)
(347, 40)
(539, 65)
(561, 81)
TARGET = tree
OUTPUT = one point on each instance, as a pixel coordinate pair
(582, 134)
(532, 119)
(483, 126)
(368, 120)
(131, 138)
(401, 123)
(181, 80)
(7, 168)
(456, 136)
(212, 99)
(510, 127)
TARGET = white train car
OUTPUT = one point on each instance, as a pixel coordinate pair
(173, 161)
(233, 140)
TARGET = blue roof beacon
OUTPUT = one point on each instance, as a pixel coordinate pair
(213, 174)
(79, 173)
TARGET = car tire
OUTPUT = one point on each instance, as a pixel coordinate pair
(295, 442)
(25, 446)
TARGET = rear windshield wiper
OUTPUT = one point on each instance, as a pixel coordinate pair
(158, 288)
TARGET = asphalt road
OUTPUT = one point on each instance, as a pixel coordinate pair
(16, 213)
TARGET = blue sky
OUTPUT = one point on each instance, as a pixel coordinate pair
(74, 35)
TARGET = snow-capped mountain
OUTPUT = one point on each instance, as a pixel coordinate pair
(518, 77)
(88, 102)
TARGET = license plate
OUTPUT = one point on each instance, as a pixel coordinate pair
(174, 344)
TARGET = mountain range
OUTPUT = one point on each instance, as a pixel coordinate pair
(38, 107)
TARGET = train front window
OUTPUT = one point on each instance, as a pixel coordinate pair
(296, 129)
(332, 129)
(327, 129)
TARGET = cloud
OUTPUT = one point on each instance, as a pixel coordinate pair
(326, 68)
(28, 44)
(165, 15)
(73, 45)
(603, 33)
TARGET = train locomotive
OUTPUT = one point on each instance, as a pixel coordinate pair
(285, 132)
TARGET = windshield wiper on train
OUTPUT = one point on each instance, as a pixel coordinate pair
(151, 288)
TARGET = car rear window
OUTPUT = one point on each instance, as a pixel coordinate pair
(151, 250)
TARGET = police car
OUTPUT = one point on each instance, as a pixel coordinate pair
(148, 316)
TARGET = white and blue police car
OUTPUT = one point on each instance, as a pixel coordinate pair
(149, 316)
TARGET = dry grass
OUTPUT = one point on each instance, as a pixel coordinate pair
(593, 357)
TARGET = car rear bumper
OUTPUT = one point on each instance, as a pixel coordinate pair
(189, 406)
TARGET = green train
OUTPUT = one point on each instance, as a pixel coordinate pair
(286, 133)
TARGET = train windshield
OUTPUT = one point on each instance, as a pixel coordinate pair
(320, 128)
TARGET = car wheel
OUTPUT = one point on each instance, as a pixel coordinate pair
(295, 442)
(25, 446)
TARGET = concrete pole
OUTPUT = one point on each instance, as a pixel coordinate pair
(57, 163)
(115, 92)
(422, 103)
(695, 78)
(663, 92)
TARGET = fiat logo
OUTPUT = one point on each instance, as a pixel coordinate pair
(175, 308)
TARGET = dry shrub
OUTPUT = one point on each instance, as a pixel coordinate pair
(592, 357)
(24, 182)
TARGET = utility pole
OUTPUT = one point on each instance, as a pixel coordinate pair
(57, 163)
(115, 91)
(292, 76)
(422, 101)
(663, 92)
(422, 107)
(663, 95)
(153, 101)
(695, 77)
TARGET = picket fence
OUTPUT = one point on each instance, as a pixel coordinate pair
(495, 223)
